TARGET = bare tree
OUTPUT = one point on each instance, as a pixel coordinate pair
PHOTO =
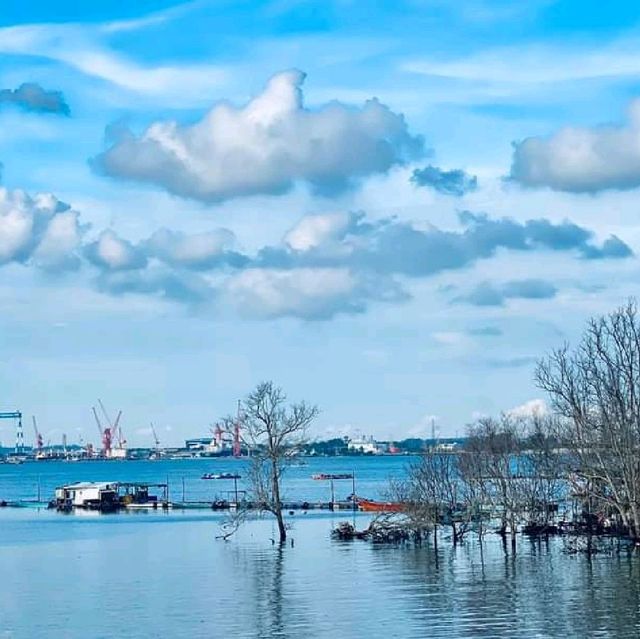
(543, 480)
(273, 431)
(595, 388)
(438, 494)
(496, 445)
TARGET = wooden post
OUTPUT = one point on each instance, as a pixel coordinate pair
(353, 489)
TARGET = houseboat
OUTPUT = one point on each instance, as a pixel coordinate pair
(110, 496)
(88, 495)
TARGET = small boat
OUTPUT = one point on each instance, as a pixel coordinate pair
(371, 506)
(327, 476)
(220, 476)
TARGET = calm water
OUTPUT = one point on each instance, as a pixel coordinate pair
(372, 475)
(165, 575)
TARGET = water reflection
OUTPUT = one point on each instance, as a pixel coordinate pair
(540, 591)
(169, 577)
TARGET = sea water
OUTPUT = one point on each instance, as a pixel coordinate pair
(157, 574)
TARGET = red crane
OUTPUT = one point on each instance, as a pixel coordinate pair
(105, 434)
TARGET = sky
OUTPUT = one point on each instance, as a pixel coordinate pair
(391, 211)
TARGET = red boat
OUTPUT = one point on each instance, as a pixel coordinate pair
(368, 505)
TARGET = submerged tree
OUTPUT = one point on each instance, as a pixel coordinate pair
(436, 494)
(544, 483)
(494, 446)
(274, 431)
(595, 388)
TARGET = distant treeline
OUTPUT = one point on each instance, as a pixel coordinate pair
(411, 445)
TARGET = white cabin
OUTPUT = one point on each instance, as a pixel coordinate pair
(97, 495)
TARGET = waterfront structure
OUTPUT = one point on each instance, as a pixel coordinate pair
(209, 446)
(109, 496)
(367, 446)
(197, 443)
(89, 495)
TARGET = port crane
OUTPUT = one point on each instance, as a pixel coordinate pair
(105, 434)
(39, 441)
(17, 415)
(217, 433)
(156, 441)
(116, 431)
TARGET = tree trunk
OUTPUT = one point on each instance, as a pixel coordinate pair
(277, 503)
(282, 530)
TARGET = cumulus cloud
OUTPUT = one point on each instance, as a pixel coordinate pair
(112, 253)
(613, 246)
(39, 230)
(454, 182)
(582, 159)
(198, 251)
(57, 249)
(32, 97)
(394, 247)
(326, 265)
(314, 231)
(265, 147)
(486, 294)
(312, 294)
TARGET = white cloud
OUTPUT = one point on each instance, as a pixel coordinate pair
(59, 243)
(426, 427)
(308, 293)
(83, 47)
(200, 250)
(265, 147)
(40, 229)
(581, 159)
(113, 253)
(540, 73)
(536, 64)
(154, 81)
(313, 231)
(531, 408)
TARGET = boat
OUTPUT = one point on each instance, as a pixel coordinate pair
(371, 506)
(109, 496)
(89, 495)
(327, 476)
(220, 476)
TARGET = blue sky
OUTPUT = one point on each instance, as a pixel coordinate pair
(390, 211)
